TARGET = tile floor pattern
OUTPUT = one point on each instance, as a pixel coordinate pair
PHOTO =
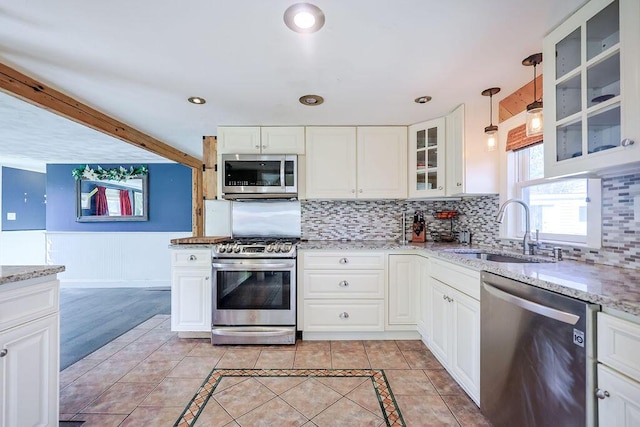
(147, 376)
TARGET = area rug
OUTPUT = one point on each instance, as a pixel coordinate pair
(388, 406)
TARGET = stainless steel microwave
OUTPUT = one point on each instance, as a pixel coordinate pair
(266, 176)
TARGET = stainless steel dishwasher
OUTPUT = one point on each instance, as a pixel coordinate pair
(537, 356)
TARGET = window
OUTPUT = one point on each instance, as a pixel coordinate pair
(563, 210)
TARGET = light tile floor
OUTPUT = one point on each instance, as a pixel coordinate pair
(147, 376)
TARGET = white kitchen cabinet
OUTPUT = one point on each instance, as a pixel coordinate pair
(342, 291)
(592, 92)
(260, 140)
(191, 287)
(29, 353)
(455, 177)
(404, 286)
(381, 162)
(424, 295)
(618, 379)
(621, 405)
(282, 140)
(427, 159)
(454, 333)
(350, 163)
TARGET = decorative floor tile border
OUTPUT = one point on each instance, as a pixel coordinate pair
(387, 402)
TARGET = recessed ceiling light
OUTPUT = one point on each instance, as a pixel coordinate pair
(304, 18)
(422, 99)
(311, 100)
(197, 100)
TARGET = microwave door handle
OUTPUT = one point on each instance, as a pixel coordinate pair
(251, 267)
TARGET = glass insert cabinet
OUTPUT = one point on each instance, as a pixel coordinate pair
(426, 159)
(591, 90)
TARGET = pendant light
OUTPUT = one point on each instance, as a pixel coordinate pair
(534, 110)
(491, 130)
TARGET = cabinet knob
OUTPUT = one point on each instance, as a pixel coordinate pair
(264, 146)
(459, 184)
(3, 352)
(257, 146)
(360, 191)
(440, 188)
(627, 142)
(343, 284)
(444, 297)
(344, 315)
(192, 257)
(206, 278)
(344, 261)
(353, 191)
(602, 394)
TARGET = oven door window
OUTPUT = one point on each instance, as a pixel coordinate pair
(263, 173)
(253, 290)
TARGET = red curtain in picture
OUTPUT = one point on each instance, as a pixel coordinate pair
(125, 203)
(101, 201)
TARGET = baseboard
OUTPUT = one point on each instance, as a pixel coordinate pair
(115, 284)
(340, 336)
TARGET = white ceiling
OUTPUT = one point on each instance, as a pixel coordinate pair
(138, 61)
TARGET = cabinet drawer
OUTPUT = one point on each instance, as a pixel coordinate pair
(343, 284)
(27, 303)
(344, 261)
(195, 257)
(463, 279)
(343, 315)
(619, 344)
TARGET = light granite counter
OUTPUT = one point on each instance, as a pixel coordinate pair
(16, 273)
(611, 287)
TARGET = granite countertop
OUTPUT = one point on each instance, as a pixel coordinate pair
(611, 287)
(16, 273)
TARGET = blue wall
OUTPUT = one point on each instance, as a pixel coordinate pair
(169, 200)
(23, 193)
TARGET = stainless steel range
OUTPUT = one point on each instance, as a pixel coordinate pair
(254, 278)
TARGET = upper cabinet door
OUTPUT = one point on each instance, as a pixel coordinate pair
(382, 162)
(591, 89)
(238, 140)
(426, 159)
(282, 140)
(455, 173)
(331, 162)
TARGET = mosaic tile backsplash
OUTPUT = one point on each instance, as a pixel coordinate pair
(382, 220)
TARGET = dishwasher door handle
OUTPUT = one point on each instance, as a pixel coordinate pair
(534, 307)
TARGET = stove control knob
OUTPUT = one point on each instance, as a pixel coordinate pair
(286, 247)
(270, 248)
(236, 248)
(222, 249)
(280, 247)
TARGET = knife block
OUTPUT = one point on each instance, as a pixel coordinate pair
(419, 232)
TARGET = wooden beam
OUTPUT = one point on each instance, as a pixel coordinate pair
(210, 158)
(197, 200)
(517, 102)
(36, 93)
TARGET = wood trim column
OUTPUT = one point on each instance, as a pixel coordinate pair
(197, 202)
(210, 158)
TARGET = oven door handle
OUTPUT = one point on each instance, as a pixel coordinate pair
(252, 267)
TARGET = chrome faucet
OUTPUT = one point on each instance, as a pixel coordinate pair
(527, 231)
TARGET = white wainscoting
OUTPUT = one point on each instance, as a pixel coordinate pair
(23, 247)
(112, 260)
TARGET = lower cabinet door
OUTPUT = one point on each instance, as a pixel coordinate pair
(465, 350)
(29, 373)
(343, 315)
(621, 404)
(440, 329)
(191, 299)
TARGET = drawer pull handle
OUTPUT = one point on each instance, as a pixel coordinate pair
(343, 284)
(344, 261)
(3, 352)
(602, 394)
(192, 257)
(344, 315)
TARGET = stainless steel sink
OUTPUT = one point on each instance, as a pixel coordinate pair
(488, 256)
